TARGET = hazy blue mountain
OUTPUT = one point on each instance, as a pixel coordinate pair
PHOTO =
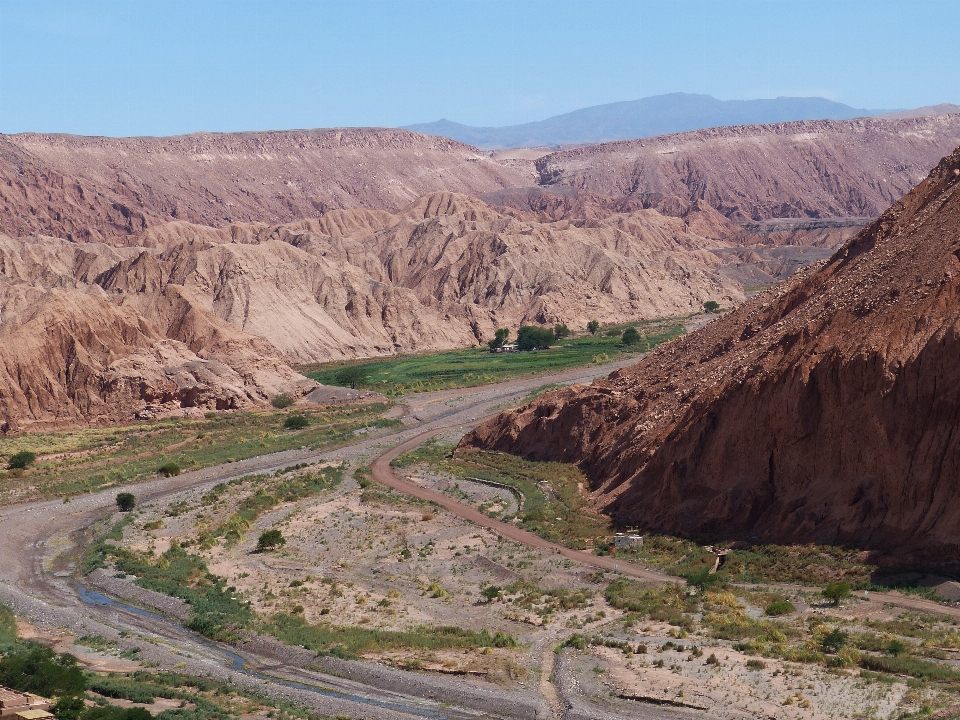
(658, 115)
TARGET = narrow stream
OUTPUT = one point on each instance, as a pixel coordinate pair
(92, 597)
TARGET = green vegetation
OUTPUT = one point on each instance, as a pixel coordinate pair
(91, 459)
(670, 604)
(711, 306)
(561, 331)
(169, 469)
(8, 628)
(558, 514)
(834, 640)
(779, 607)
(836, 592)
(281, 401)
(36, 669)
(270, 539)
(911, 666)
(354, 641)
(126, 501)
(477, 366)
(630, 336)
(352, 376)
(531, 337)
(592, 327)
(21, 460)
(296, 422)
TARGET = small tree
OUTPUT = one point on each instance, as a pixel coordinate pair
(126, 502)
(68, 707)
(836, 592)
(593, 326)
(296, 422)
(833, 641)
(500, 338)
(353, 377)
(560, 331)
(711, 306)
(20, 460)
(896, 647)
(630, 336)
(270, 539)
(281, 401)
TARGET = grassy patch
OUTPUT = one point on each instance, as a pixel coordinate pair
(354, 642)
(80, 461)
(553, 505)
(476, 366)
(911, 666)
(670, 604)
(8, 628)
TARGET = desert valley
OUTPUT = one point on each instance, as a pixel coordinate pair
(366, 422)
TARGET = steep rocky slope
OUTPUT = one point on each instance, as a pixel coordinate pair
(71, 352)
(94, 188)
(757, 172)
(825, 410)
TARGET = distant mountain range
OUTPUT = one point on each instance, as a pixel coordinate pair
(658, 115)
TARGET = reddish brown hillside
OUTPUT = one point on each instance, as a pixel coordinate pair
(826, 410)
(91, 188)
(756, 172)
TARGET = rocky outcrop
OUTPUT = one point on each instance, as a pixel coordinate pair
(808, 169)
(825, 410)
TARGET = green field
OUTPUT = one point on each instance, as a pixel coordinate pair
(476, 366)
(70, 462)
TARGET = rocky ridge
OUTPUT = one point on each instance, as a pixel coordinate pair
(824, 410)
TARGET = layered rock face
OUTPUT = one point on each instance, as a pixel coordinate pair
(826, 410)
(816, 168)
(94, 188)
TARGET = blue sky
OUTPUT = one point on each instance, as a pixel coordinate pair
(141, 67)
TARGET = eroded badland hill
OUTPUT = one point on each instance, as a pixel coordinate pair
(824, 410)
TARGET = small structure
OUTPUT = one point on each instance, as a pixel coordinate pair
(622, 541)
(512, 347)
(23, 706)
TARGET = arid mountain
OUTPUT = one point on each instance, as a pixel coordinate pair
(188, 316)
(825, 410)
(94, 188)
(812, 169)
(657, 115)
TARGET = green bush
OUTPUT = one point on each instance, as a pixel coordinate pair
(126, 501)
(834, 641)
(296, 422)
(896, 647)
(921, 669)
(20, 460)
(630, 336)
(352, 376)
(281, 401)
(560, 331)
(836, 591)
(593, 326)
(499, 339)
(779, 607)
(68, 707)
(169, 469)
(270, 539)
(711, 306)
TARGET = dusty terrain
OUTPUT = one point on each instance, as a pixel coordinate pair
(850, 370)
(805, 169)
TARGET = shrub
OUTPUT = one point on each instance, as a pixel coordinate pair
(836, 591)
(296, 422)
(20, 460)
(38, 670)
(560, 331)
(711, 306)
(833, 641)
(354, 376)
(896, 647)
(126, 501)
(169, 469)
(270, 539)
(281, 401)
(779, 607)
(491, 593)
(593, 326)
(68, 707)
(756, 664)
(630, 336)
(530, 337)
(712, 660)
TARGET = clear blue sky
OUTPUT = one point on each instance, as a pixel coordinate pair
(101, 67)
